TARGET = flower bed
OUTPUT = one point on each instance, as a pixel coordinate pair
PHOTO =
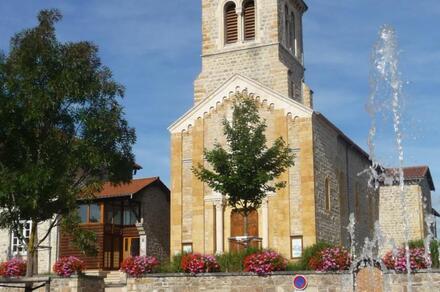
(264, 262)
(67, 266)
(13, 268)
(139, 265)
(330, 260)
(197, 263)
(397, 261)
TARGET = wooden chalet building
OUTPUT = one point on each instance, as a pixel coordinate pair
(129, 219)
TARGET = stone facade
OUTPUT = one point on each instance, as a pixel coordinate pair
(155, 206)
(417, 198)
(266, 59)
(47, 253)
(339, 161)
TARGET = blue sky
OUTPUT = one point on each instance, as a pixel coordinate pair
(153, 48)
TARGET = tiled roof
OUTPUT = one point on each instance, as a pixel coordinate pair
(414, 173)
(124, 190)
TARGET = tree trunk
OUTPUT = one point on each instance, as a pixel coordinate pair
(31, 252)
(245, 232)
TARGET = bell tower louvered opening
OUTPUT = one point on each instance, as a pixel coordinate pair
(231, 23)
(249, 20)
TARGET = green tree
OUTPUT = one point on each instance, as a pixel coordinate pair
(62, 132)
(246, 169)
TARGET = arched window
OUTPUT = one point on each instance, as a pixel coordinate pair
(292, 33)
(249, 19)
(286, 26)
(357, 202)
(231, 23)
(327, 194)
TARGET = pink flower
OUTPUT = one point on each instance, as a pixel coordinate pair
(67, 266)
(13, 268)
(265, 262)
(139, 265)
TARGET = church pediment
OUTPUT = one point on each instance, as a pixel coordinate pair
(228, 90)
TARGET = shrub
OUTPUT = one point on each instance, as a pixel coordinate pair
(264, 262)
(13, 268)
(197, 263)
(233, 261)
(67, 266)
(172, 266)
(139, 265)
(311, 251)
(397, 261)
(331, 259)
(433, 249)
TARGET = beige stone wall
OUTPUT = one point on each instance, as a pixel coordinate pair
(265, 59)
(391, 218)
(291, 210)
(341, 163)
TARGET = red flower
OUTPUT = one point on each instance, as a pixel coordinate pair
(197, 263)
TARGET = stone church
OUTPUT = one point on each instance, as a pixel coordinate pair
(256, 47)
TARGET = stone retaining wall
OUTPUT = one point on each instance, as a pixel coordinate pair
(73, 284)
(239, 282)
(280, 282)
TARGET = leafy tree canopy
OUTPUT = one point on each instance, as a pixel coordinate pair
(62, 129)
(246, 169)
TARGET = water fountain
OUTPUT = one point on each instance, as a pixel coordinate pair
(385, 105)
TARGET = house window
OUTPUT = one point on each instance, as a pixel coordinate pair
(83, 213)
(249, 19)
(89, 213)
(95, 213)
(131, 213)
(327, 194)
(17, 245)
(231, 23)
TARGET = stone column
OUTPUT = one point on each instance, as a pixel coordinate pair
(265, 215)
(142, 238)
(219, 226)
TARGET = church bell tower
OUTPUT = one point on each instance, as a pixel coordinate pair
(259, 39)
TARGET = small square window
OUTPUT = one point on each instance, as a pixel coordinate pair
(296, 245)
(187, 248)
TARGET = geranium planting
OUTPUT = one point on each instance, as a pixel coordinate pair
(197, 263)
(13, 268)
(67, 266)
(264, 262)
(397, 260)
(330, 260)
(139, 265)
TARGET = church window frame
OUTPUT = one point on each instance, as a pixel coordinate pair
(249, 20)
(230, 25)
(327, 194)
(292, 36)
